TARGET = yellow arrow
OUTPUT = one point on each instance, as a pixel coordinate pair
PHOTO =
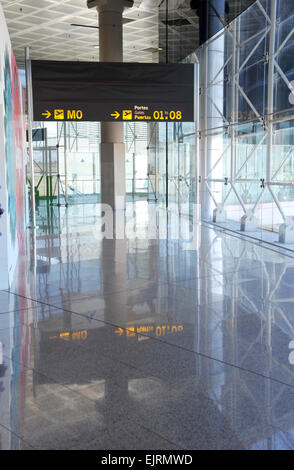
(64, 335)
(47, 114)
(119, 331)
(116, 115)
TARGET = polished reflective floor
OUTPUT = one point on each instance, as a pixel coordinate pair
(146, 342)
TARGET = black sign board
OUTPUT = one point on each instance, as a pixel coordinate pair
(90, 91)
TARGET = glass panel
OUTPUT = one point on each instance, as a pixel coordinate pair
(245, 142)
(162, 162)
(83, 165)
(136, 145)
(83, 161)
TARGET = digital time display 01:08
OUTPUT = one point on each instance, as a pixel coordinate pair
(172, 115)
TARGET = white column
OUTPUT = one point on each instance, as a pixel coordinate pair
(210, 146)
(112, 150)
(206, 207)
(215, 106)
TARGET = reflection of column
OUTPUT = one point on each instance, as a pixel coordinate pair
(211, 104)
(205, 198)
(112, 159)
(113, 267)
(112, 133)
(115, 392)
(215, 109)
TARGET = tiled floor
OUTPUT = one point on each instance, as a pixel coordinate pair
(143, 344)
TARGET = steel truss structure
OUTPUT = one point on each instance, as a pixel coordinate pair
(246, 121)
(180, 141)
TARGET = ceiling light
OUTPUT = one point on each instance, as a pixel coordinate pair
(153, 49)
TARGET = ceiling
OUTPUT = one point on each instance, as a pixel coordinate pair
(45, 26)
(182, 32)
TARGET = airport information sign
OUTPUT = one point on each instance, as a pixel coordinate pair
(90, 91)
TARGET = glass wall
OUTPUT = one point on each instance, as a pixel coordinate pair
(136, 159)
(72, 151)
(245, 136)
(67, 162)
(242, 152)
(172, 150)
(246, 131)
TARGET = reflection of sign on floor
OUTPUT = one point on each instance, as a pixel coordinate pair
(158, 330)
(71, 335)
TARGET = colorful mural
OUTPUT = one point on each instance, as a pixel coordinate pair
(14, 148)
(12, 160)
(12, 229)
(18, 146)
(9, 146)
